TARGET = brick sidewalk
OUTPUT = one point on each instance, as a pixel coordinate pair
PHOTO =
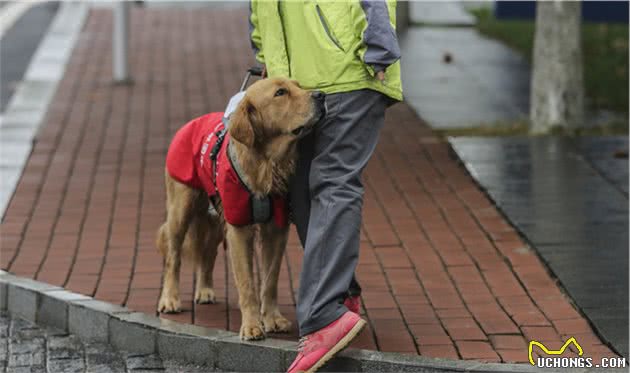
(443, 274)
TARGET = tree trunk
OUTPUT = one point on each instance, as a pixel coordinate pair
(557, 92)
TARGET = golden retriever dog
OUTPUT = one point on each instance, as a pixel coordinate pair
(263, 133)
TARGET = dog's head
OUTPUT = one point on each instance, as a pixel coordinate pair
(274, 114)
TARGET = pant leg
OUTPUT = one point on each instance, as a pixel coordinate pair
(301, 197)
(343, 143)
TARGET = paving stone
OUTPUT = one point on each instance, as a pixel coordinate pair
(36, 358)
(68, 347)
(42, 351)
(102, 358)
(107, 369)
(24, 330)
(4, 349)
(29, 346)
(146, 362)
(171, 366)
(4, 327)
(23, 370)
(67, 365)
(53, 332)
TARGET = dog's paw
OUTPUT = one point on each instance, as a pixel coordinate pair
(169, 304)
(276, 323)
(251, 332)
(205, 295)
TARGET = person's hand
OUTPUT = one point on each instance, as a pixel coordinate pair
(380, 75)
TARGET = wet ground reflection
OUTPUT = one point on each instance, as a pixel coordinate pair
(569, 197)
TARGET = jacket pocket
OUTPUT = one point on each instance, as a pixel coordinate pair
(327, 29)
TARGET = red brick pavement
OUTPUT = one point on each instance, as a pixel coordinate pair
(444, 275)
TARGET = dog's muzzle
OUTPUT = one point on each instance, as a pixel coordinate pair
(319, 98)
(320, 103)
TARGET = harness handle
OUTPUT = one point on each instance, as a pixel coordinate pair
(256, 71)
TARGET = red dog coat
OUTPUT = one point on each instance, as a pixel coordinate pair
(189, 162)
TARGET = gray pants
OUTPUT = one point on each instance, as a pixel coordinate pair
(327, 199)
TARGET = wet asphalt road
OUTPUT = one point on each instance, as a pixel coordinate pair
(19, 43)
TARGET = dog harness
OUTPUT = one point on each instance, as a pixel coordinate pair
(199, 157)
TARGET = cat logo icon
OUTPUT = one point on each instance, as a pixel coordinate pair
(553, 352)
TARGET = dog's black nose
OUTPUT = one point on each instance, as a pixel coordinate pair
(318, 95)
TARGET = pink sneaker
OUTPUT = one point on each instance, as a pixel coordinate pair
(353, 303)
(318, 347)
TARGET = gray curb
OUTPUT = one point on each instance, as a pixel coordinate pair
(139, 333)
(28, 105)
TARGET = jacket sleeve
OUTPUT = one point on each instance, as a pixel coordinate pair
(377, 32)
(254, 31)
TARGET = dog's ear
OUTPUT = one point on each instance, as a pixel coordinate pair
(244, 123)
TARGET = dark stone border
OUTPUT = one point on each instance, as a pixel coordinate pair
(136, 332)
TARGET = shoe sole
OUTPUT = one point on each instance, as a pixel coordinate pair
(343, 343)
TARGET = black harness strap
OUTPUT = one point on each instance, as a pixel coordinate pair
(213, 155)
(261, 208)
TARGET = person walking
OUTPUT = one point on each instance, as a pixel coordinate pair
(349, 51)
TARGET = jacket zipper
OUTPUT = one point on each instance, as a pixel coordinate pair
(284, 35)
(326, 28)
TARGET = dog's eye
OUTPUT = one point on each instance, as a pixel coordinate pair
(298, 131)
(280, 92)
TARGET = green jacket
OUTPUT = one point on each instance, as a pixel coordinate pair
(332, 46)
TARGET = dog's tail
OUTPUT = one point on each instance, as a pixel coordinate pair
(160, 240)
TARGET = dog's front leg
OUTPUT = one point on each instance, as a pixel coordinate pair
(241, 246)
(274, 242)
(169, 300)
